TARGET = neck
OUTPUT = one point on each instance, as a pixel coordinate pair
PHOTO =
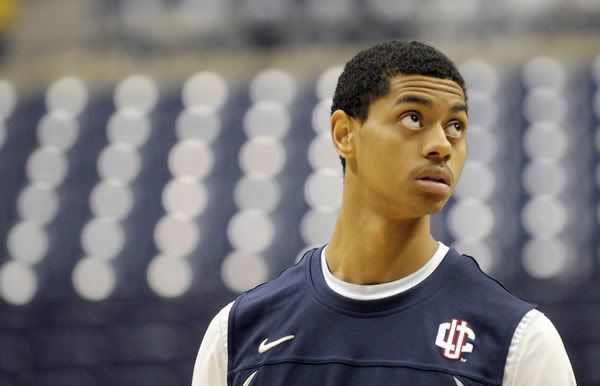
(368, 247)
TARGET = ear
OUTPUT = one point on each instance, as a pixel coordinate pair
(342, 133)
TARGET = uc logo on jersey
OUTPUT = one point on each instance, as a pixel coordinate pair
(453, 338)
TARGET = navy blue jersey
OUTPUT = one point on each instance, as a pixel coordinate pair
(453, 328)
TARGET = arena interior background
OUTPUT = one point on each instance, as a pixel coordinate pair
(157, 157)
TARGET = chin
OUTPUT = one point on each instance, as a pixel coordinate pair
(433, 206)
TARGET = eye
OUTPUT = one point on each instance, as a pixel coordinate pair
(455, 129)
(411, 120)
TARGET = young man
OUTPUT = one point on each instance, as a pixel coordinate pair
(384, 303)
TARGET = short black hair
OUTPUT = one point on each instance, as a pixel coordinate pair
(366, 76)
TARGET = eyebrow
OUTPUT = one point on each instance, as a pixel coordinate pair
(414, 99)
(427, 102)
(459, 107)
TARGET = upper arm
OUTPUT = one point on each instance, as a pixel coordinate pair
(537, 355)
(211, 363)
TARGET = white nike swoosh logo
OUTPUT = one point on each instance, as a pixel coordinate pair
(264, 346)
(250, 378)
(458, 383)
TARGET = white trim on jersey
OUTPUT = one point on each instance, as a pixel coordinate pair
(536, 355)
(384, 290)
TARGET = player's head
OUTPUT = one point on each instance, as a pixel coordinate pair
(399, 107)
(367, 75)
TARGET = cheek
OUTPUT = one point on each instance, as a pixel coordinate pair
(385, 153)
(459, 160)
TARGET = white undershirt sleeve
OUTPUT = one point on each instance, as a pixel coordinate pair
(537, 356)
(211, 363)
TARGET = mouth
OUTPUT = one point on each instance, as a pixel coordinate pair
(434, 180)
(435, 186)
(440, 180)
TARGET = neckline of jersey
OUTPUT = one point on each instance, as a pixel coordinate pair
(375, 307)
(383, 290)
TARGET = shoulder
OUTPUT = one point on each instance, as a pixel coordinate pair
(484, 287)
(288, 282)
(537, 354)
(211, 362)
(216, 333)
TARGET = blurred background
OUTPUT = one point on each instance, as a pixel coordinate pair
(158, 157)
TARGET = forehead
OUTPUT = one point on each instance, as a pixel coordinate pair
(427, 85)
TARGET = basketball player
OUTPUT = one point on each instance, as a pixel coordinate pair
(384, 303)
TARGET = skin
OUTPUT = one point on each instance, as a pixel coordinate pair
(382, 231)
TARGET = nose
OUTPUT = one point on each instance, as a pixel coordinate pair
(436, 145)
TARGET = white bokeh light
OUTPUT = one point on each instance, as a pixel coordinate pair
(120, 162)
(323, 189)
(111, 198)
(327, 82)
(544, 258)
(267, 119)
(470, 220)
(480, 76)
(8, 99)
(544, 177)
(37, 203)
(47, 165)
(205, 89)
(18, 283)
(545, 141)
(138, 92)
(476, 181)
(67, 94)
(273, 85)
(250, 231)
(190, 158)
(320, 116)
(321, 154)
(168, 276)
(242, 271)
(483, 110)
(184, 197)
(58, 129)
(176, 236)
(128, 126)
(317, 226)
(93, 279)
(27, 242)
(198, 122)
(102, 238)
(544, 72)
(262, 156)
(482, 145)
(255, 192)
(544, 216)
(544, 105)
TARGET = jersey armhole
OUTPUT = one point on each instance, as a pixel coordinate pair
(514, 350)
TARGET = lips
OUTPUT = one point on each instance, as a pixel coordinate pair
(435, 180)
(435, 174)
